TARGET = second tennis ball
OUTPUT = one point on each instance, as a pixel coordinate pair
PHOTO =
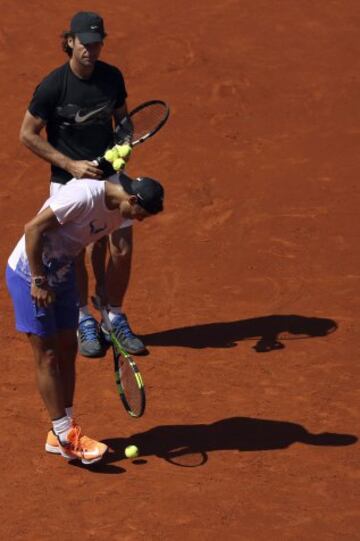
(123, 150)
(118, 164)
(111, 155)
(131, 451)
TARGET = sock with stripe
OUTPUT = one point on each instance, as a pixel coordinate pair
(114, 311)
(84, 312)
(61, 427)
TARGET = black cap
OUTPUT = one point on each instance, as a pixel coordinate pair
(149, 192)
(88, 27)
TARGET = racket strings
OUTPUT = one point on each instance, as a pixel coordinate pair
(132, 388)
(144, 121)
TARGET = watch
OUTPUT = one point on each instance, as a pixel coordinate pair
(39, 281)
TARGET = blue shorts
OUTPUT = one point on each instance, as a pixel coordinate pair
(62, 314)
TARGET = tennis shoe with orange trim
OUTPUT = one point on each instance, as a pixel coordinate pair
(77, 446)
(52, 443)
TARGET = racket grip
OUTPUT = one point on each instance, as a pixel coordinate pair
(105, 167)
(102, 309)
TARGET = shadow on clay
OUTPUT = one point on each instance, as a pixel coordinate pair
(190, 445)
(268, 331)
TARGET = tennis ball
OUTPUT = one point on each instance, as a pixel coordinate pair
(111, 154)
(131, 451)
(118, 164)
(123, 150)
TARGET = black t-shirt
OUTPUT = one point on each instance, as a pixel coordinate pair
(78, 112)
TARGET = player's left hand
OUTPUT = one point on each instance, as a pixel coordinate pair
(43, 296)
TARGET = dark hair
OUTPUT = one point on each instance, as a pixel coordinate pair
(64, 43)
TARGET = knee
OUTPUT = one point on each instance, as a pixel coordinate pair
(48, 360)
(122, 250)
(121, 243)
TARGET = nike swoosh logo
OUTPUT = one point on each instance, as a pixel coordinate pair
(89, 454)
(82, 118)
(86, 453)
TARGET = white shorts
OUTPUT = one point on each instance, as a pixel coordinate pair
(56, 186)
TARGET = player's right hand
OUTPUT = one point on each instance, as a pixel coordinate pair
(84, 169)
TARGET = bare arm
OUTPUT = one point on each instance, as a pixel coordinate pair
(34, 231)
(30, 136)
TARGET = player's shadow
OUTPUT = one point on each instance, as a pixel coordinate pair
(268, 331)
(176, 442)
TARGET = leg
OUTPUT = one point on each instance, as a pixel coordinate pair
(89, 336)
(54, 350)
(97, 255)
(117, 281)
(56, 382)
(67, 356)
(82, 279)
(119, 265)
(48, 376)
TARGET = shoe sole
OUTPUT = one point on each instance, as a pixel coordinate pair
(56, 451)
(83, 460)
(92, 355)
(87, 462)
(137, 352)
(52, 449)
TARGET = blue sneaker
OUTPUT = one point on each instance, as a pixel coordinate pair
(131, 343)
(90, 339)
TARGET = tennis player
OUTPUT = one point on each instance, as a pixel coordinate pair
(78, 104)
(41, 280)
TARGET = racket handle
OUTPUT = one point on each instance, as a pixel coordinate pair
(106, 320)
(105, 316)
(105, 167)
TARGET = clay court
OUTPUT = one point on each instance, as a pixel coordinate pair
(246, 290)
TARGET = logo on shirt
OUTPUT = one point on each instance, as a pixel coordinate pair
(94, 229)
(79, 118)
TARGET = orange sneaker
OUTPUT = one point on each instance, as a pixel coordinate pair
(52, 444)
(79, 447)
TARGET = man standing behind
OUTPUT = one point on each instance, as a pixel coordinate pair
(79, 103)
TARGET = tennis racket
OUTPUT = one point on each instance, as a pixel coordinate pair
(135, 128)
(128, 379)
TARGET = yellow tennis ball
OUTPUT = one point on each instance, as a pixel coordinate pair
(118, 164)
(123, 150)
(131, 451)
(111, 155)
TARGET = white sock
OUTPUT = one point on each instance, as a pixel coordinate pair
(114, 311)
(69, 412)
(61, 427)
(84, 312)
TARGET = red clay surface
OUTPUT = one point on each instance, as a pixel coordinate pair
(246, 290)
